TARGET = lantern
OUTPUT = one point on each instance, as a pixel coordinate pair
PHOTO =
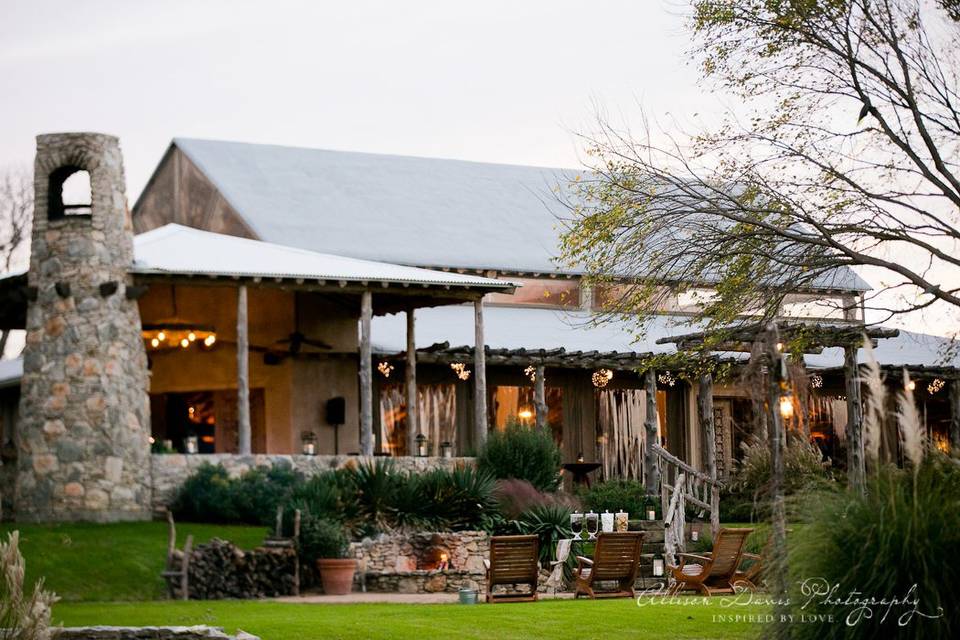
(421, 445)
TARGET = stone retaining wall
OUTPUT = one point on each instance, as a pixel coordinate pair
(170, 470)
(199, 632)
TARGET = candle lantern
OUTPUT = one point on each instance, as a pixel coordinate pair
(421, 445)
(576, 524)
(621, 521)
(592, 520)
(606, 522)
(167, 445)
(695, 532)
(190, 444)
(651, 512)
(658, 567)
(308, 443)
(446, 449)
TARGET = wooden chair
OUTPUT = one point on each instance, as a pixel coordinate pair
(713, 574)
(751, 576)
(615, 559)
(513, 561)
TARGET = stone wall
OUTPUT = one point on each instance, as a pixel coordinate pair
(170, 470)
(84, 413)
(407, 563)
(199, 632)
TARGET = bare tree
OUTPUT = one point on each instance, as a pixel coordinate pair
(16, 215)
(847, 156)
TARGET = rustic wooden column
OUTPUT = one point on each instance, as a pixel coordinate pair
(243, 373)
(413, 423)
(479, 378)
(856, 470)
(366, 375)
(955, 416)
(708, 428)
(540, 396)
(777, 381)
(651, 462)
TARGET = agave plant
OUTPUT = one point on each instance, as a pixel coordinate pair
(22, 617)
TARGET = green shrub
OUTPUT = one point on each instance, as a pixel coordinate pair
(322, 538)
(803, 470)
(903, 533)
(259, 492)
(614, 495)
(207, 495)
(522, 453)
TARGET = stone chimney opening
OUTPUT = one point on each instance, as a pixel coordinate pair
(70, 193)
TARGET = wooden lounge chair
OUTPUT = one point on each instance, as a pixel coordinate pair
(615, 559)
(713, 574)
(513, 561)
(751, 576)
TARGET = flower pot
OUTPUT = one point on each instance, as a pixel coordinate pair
(336, 574)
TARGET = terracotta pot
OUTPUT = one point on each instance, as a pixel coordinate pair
(336, 574)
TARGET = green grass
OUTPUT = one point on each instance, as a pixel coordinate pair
(581, 619)
(111, 561)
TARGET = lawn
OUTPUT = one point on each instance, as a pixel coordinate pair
(580, 619)
(111, 561)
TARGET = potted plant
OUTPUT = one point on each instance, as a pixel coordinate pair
(325, 541)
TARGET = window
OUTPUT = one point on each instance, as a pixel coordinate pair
(516, 404)
(69, 193)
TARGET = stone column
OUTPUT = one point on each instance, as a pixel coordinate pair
(84, 426)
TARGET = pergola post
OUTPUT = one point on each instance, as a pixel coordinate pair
(243, 373)
(856, 470)
(411, 386)
(955, 416)
(777, 381)
(540, 396)
(366, 375)
(480, 377)
(651, 462)
(705, 416)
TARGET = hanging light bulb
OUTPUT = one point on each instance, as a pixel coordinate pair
(154, 343)
(161, 336)
(184, 343)
(209, 340)
(191, 336)
(786, 407)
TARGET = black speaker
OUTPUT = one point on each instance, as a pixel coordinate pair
(336, 410)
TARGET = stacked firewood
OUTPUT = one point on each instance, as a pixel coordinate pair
(218, 569)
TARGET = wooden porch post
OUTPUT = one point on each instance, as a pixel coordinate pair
(411, 375)
(651, 462)
(366, 375)
(776, 380)
(243, 373)
(540, 397)
(855, 462)
(705, 411)
(480, 377)
(955, 416)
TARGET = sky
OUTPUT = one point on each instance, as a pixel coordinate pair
(494, 81)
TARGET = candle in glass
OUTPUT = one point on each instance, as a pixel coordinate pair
(658, 567)
(622, 521)
(606, 522)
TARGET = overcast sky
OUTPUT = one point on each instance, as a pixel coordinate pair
(494, 81)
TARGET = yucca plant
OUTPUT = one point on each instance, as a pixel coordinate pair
(22, 616)
(550, 522)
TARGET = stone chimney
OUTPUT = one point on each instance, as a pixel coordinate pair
(84, 450)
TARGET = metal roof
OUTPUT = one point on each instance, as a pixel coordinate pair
(406, 210)
(175, 249)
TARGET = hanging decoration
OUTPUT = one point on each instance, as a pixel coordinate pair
(601, 377)
(936, 385)
(174, 336)
(816, 381)
(666, 378)
(461, 370)
(385, 368)
(531, 372)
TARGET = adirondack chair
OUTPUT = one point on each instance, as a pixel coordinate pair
(513, 561)
(713, 574)
(615, 559)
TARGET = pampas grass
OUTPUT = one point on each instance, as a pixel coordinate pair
(874, 410)
(22, 617)
(911, 434)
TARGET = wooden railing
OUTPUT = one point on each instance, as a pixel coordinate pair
(697, 488)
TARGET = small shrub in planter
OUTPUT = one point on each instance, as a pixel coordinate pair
(325, 541)
(523, 453)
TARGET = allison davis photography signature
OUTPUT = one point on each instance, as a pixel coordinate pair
(818, 600)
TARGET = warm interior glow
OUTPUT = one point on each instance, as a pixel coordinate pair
(786, 407)
(525, 414)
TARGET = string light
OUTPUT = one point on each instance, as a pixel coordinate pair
(177, 337)
(461, 370)
(666, 378)
(531, 372)
(911, 386)
(935, 386)
(209, 340)
(184, 343)
(601, 377)
(385, 368)
(816, 381)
